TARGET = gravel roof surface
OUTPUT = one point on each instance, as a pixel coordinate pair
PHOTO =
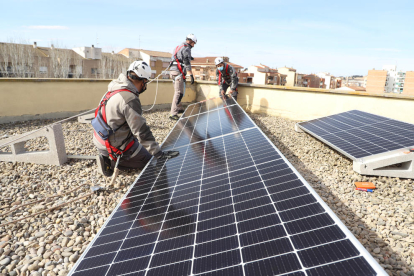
(51, 242)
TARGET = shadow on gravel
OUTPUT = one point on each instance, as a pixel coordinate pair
(364, 233)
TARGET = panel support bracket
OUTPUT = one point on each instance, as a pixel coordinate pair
(398, 165)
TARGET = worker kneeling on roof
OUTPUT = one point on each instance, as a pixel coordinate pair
(226, 77)
(120, 130)
(181, 65)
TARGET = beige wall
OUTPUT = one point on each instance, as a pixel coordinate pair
(409, 83)
(290, 75)
(307, 103)
(22, 99)
(376, 81)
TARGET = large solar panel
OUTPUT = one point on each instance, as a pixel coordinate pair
(229, 204)
(359, 134)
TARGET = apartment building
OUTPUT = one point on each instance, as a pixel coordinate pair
(27, 61)
(290, 75)
(204, 68)
(409, 83)
(312, 81)
(354, 81)
(265, 75)
(376, 80)
(245, 77)
(328, 81)
(158, 61)
(387, 80)
(299, 80)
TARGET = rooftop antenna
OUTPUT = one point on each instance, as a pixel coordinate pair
(97, 40)
(139, 43)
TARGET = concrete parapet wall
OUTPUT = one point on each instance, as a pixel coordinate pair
(28, 99)
(24, 99)
(300, 103)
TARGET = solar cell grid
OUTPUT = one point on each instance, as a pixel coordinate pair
(360, 134)
(227, 205)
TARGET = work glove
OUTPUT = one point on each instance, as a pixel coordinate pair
(192, 79)
(167, 154)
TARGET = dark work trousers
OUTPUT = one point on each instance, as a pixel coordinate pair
(178, 93)
(139, 161)
(234, 94)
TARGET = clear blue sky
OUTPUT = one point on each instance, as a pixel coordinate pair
(341, 37)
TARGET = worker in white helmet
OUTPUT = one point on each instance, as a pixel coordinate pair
(181, 65)
(226, 77)
(120, 131)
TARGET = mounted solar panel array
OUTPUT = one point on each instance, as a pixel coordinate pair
(378, 145)
(229, 204)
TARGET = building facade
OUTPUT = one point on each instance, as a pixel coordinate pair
(290, 73)
(387, 80)
(300, 80)
(376, 80)
(204, 68)
(246, 77)
(27, 61)
(328, 81)
(265, 75)
(312, 81)
(409, 83)
(158, 61)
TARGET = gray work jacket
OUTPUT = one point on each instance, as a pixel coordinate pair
(229, 77)
(126, 107)
(184, 57)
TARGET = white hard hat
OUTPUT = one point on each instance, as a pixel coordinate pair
(218, 60)
(141, 69)
(192, 37)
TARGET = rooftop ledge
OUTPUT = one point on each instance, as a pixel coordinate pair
(26, 99)
(288, 88)
(320, 90)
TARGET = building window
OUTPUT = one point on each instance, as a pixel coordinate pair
(165, 64)
(42, 69)
(94, 70)
(152, 75)
(152, 63)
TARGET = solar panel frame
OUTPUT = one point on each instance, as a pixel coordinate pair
(368, 156)
(234, 270)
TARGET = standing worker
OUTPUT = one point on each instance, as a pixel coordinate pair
(226, 77)
(180, 67)
(120, 132)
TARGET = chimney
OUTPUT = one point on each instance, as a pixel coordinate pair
(93, 46)
(207, 60)
(52, 47)
(34, 45)
(113, 52)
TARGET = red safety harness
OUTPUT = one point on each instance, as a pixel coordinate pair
(113, 151)
(178, 48)
(227, 69)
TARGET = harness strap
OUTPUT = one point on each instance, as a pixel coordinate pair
(178, 48)
(227, 68)
(113, 151)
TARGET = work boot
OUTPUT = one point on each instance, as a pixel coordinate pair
(180, 111)
(174, 117)
(104, 165)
